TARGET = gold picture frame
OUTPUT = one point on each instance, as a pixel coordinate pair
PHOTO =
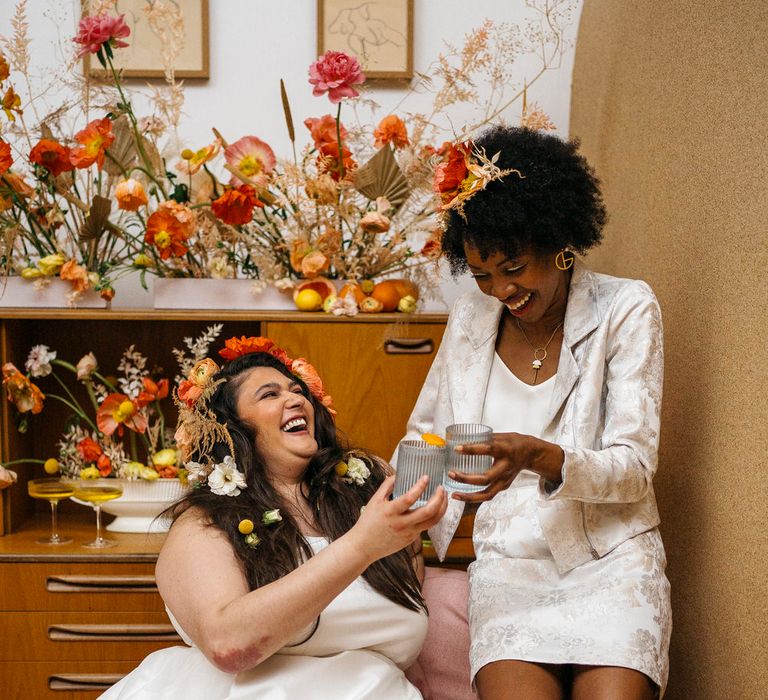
(378, 32)
(142, 58)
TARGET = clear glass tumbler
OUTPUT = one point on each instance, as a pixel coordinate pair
(415, 458)
(466, 434)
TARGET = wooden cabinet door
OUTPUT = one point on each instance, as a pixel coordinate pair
(374, 371)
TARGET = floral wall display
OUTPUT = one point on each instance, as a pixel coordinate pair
(93, 190)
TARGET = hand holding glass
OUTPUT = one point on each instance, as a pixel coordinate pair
(466, 434)
(415, 458)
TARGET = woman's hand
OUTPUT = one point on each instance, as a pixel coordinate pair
(511, 452)
(386, 527)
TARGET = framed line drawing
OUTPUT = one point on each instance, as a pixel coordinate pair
(143, 57)
(378, 32)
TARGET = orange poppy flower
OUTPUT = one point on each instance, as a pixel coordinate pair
(189, 392)
(392, 130)
(323, 130)
(21, 392)
(96, 138)
(76, 274)
(167, 234)
(328, 160)
(236, 205)
(52, 156)
(152, 391)
(253, 158)
(6, 159)
(183, 214)
(130, 195)
(192, 161)
(104, 464)
(235, 347)
(11, 103)
(89, 449)
(116, 411)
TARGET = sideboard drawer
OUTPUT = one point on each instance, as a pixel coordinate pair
(59, 680)
(73, 636)
(72, 586)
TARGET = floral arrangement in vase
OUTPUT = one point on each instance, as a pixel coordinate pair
(357, 204)
(116, 427)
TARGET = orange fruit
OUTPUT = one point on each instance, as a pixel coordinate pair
(432, 439)
(370, 305)
(390, 292)
(354, 289)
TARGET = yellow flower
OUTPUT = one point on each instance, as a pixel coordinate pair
(341, 468)
(165, 458)
(51, 465)
(148, 474)
(51, 264)
(245, 527)
(31, 273)
(142, 260)
(91, 472)
(132, 470)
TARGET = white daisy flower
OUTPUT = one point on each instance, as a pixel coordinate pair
(357, 471)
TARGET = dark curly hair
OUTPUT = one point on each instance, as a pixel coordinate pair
(336, 504)
(556, 204)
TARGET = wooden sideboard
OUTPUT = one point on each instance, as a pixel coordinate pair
(73, 621)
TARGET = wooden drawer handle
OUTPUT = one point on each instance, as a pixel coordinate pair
(83, 681)
(100, 584)
(112, 633)
(409, 346)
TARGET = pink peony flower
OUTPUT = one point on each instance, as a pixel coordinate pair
(335, 73)
(93, 31)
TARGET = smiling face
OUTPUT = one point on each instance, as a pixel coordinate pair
(282, 418)
(529, 285)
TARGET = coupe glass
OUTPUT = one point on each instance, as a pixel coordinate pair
(52, 490)
(96, 493)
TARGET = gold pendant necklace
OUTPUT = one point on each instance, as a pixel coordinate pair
(539, 354)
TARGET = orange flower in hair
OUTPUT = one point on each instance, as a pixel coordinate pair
(235, 347)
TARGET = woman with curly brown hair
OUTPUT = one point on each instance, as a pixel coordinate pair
(568, 596)
(288, 570)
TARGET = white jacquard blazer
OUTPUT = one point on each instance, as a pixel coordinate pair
(604, 413)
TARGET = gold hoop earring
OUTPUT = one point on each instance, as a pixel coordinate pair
(563, 262)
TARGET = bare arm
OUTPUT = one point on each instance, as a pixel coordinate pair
(204, 586)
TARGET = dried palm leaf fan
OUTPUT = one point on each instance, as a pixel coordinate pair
(121, 155)
(97, 219)
(381, 177)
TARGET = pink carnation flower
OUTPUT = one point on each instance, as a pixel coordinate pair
(335, 73)
(93, 31)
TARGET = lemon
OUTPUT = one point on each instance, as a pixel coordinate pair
(432, 439)
(245, 526)
(308, 300)
(51, 465)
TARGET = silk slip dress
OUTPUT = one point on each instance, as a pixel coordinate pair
(362, 643)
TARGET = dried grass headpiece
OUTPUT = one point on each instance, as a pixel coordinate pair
(199, 430)
(465, 170)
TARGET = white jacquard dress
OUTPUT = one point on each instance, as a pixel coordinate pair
(362, 643)
(604, 612)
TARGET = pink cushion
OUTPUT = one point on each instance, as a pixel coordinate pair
(442, 670)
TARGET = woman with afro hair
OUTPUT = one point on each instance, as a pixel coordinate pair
(567, 595)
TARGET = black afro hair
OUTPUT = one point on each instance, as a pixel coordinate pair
(556, 204)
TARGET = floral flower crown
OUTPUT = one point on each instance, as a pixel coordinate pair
(199, 429)
(465, 170)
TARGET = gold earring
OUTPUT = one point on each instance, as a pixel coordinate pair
(562, 262)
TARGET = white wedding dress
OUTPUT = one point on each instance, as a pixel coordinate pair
(362, 643)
